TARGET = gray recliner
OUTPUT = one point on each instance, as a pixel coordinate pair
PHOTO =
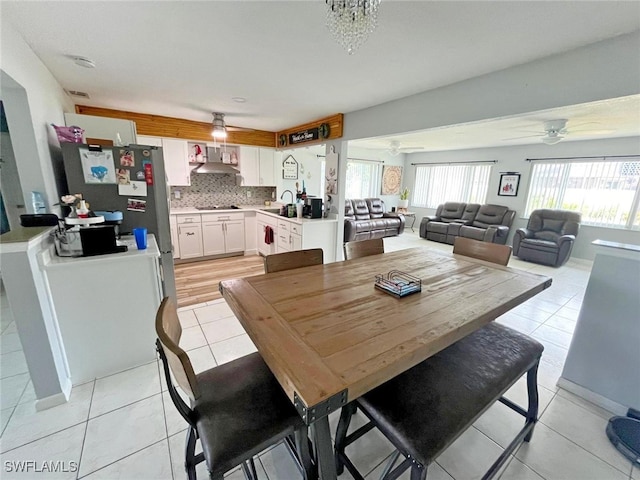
(548, 238)
(491, 224)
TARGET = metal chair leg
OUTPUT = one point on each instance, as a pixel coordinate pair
(341, 433)
(189, 454)
(532, 389)
(304, 452)
(418, 472)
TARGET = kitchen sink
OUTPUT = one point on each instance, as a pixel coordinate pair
(271, 210)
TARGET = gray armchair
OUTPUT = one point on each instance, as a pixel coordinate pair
(548, 238)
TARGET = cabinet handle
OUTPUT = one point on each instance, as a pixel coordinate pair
(190, 233)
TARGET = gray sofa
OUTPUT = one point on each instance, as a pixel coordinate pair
(548, 238)
(487, 223)
(366, 218)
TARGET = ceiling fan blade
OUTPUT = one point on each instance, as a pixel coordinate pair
(411, 148)
(526, 136)
(240, 129)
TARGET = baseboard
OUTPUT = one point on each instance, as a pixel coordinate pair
(592, 397)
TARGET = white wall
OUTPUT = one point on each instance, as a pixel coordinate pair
(33, 99)
(309, 162)
(513, 159)
(600, 71)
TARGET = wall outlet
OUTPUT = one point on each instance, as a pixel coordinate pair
(176, 194)
(248, 193)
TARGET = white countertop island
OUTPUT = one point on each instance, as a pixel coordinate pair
(604, 356)
(106, 306)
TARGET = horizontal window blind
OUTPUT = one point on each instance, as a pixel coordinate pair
(363, 179)
(436, 184)
(606, 192)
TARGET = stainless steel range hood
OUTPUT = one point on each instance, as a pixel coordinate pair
(214, 164)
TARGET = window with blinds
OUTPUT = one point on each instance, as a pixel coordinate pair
(605, 191)
(436, 184)
(363, 179)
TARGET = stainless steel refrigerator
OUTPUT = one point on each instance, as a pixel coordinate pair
(130, 179)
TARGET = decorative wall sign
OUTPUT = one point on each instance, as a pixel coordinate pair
(309, 135)
(290, 168)
(509, 182)
(313, 132)
(331, 169)
(391, 180)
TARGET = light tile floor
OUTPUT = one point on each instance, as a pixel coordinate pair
(124, 426)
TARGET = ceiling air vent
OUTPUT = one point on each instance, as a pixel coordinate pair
(76, 93)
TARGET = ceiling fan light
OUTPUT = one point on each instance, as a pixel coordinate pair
(219, 127)
(552, 140)
(219, 132)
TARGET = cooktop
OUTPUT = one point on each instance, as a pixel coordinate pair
(218, 207)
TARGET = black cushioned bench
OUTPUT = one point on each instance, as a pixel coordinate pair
(423, 410)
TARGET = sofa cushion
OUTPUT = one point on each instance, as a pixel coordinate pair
(538, 244)
(490, 215)
(476, 233)
(470, 212)
(361, 209)
(349, 212)
(555, 225)
(547, 235)
(376, 207)
(451, 211)
(437, 227)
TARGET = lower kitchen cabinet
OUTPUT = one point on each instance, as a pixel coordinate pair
(175, 244)
(213, 238)
(223, 233)
(294, 234)
(190, 236)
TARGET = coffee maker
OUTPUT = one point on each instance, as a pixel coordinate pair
(312, 207)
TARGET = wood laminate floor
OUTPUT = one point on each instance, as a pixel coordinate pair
(197, 282)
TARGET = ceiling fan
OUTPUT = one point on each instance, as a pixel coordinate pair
(395, 148)
(556, 130)
(220, 128)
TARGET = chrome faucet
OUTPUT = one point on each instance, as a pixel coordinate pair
(286, 192)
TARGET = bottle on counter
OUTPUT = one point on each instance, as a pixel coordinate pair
(82, 211)
(37, 201)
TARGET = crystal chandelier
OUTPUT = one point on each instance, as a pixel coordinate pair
(351, 21)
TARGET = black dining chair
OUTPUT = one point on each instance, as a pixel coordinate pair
(236, 409)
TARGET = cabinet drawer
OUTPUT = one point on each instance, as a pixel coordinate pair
(295, 228)
(188, 219)
(283, 226)
(221, 217)
(283, 241)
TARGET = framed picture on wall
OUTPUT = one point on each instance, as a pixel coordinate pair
(509, 183)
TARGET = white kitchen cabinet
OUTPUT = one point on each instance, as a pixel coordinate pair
(257, 167)
(104, 127)
(190, 236)
(249, 166)
(293, 234)
(262, 222)
(213, 238)
(176, 161)
(175, 244)
(267, 170)
(223, 233)
(146, 140)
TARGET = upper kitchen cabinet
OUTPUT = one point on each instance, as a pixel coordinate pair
(104, 128)
(176, 161)
(257, 167)
(152, 141)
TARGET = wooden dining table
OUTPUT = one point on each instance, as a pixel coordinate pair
(329, 336)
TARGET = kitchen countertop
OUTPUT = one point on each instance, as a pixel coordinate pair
(51, 260)
(253, 208)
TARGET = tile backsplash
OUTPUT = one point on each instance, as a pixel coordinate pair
(218, 189)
